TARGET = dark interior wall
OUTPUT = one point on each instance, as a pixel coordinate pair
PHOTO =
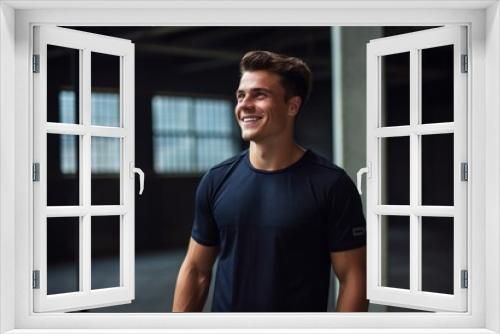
(168, 64)
(201, 61)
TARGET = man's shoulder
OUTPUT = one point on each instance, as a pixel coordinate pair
(217, 174)
(323, 165)
(222, 168)
(327, 174)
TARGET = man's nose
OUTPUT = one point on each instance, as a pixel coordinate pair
(246, 103)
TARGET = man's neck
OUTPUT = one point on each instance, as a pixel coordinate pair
(274, 156)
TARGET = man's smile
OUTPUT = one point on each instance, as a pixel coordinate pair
(250, 120)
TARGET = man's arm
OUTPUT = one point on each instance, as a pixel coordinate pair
(350, 267)
(193, 281)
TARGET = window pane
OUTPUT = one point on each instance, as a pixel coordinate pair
(68, 107)
(63, 185)
(171, 113)
(395, 89)
(106, 109)
(437, 254)
(191, 134)
(63, 255)
(63, 77)
(395, 251)
(213, 116)
(437, 84)
(105, 89)
(106, 159)
(437, 169)
(395, 170)
(105, 252)
(213, 150)
(174, 154)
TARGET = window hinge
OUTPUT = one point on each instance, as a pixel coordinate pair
(465, 279)
(36, 279)
(464, 171)
(36, 63)
(36, 172)
(465, 65)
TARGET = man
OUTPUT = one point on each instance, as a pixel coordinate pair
(276, 215)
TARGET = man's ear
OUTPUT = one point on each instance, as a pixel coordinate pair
(294, 105)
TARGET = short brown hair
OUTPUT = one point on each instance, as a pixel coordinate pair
(294, 72)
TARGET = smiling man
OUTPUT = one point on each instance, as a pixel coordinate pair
(277, 216)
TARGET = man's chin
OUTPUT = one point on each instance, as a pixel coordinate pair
(248, 136)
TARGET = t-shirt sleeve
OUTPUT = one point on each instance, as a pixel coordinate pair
(204, 229)
(346, 225)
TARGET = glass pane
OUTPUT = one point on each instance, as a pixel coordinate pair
(437, 254)
(395, 170)
(174, 154)
(105, 89)
(63, 77)
(437, 84)
(395, 251)
(395, 89)
(105, 240)
(171, 113)
(213, 116)
(106, 159)
(63, 185)
(63, 255)
(214, 150)
(437, 169)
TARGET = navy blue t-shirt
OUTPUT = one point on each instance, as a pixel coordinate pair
(275, 231)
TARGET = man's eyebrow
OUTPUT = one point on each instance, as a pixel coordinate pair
(253, 90)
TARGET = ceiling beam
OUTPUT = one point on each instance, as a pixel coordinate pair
(188, 51)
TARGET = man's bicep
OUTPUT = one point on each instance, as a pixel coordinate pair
(349, 262)
(346, 226)
(204, 229)
(200, 256)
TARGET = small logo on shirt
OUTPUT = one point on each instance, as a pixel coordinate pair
(357, 231)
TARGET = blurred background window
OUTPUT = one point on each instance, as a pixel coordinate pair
(191, 134)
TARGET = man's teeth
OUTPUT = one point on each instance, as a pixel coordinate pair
(250, 119)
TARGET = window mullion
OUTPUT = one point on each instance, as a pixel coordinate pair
(415, 242)
(86, 170)
(81, 162)
(418, 166)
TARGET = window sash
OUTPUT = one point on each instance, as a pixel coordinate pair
(85, 297)
(413, 297)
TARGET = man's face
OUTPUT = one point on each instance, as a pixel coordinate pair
(261, 109)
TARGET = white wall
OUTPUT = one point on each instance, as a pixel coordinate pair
(492, 165)
(7, 165)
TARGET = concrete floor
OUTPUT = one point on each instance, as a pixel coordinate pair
(155, 278)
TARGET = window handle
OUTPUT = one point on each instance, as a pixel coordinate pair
(359, 176)
(135, 170)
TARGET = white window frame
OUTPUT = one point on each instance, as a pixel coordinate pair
(413, 44)
(86, 297)
(16, 20)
